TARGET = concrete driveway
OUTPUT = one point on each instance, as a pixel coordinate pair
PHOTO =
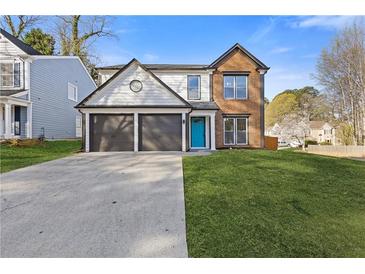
(95, 205)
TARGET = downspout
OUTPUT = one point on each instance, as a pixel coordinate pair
(262, 106)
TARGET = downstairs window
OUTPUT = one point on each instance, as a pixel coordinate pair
(236, 131)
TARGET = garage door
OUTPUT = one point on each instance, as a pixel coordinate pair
(111, 132)
(161, 132)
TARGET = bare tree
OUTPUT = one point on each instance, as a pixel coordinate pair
(19, 24)
(341, 70)
(77, 33)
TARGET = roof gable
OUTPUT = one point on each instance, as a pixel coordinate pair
(19, 44)
(319, 125)
(116, 91)
(237, 46)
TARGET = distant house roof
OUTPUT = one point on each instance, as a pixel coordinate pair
(317, 124)
(159, 67)
(20, 44)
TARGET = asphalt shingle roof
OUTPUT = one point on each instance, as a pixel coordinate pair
(20, 44)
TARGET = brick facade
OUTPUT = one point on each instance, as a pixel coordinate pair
(238, 61)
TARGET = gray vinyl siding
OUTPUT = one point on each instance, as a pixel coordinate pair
(52, 110)
(23, 122)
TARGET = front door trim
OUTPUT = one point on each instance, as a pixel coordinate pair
(204, 132)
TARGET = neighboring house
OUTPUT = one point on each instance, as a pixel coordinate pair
(177, 107)
(38, 92)
(322, 131)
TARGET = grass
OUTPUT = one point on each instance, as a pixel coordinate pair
(16, 157)
(256, 203)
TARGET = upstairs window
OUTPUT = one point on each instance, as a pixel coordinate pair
(193, 87)
(235, 87)
(10, 74)
(72, 92)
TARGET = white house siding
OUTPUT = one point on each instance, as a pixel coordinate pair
(176, 80)
(52, 110)
(118, 91)
(104, 75)
(9, 49)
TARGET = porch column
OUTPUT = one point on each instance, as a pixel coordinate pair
(7, 117)
(1, 120)
(29, 121)
(183, 117)
(87, 132)
(212, 131)
(135, 132)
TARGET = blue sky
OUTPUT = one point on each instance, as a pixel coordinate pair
(290, 45)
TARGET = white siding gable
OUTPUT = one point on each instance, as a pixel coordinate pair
(178, 81)
(117, 92)
(9, 49)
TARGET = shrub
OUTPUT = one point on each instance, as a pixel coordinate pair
(325, 144)
(310, 142)
(23, 142)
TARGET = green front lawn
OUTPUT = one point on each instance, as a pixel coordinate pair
(256, 203)
(17, 157)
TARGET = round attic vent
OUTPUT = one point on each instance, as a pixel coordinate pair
(135, 85)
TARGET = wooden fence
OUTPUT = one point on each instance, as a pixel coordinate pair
(271, 143)
(339, 151)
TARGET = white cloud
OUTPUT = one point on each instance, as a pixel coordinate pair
(328, 22)
(280, 50)
(148, 57)
(263, 31)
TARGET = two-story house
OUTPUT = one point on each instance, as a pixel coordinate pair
(321, 131)
(174, 107)
(38, 92)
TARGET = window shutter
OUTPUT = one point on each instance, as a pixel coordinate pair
(16, 74)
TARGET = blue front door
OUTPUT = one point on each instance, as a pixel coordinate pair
(197, 132)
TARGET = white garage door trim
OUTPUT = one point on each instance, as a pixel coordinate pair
(135, 111)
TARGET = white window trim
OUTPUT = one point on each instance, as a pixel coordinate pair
(68, 92)
(235, 87)
(234, 131)
(199, 86)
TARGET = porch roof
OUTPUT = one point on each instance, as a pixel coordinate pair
(14, 101)
(204, 105)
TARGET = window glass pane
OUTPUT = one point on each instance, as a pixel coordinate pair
(229, 138)
(241, 131)
(7, 80)
(229, 131)
(228, 86)
(193, 86)
(229, 124)
(241, 137)
(7, 68)
(17, 75)
(241, 123)
(241, 86)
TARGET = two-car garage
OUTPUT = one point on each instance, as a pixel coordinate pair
(116, 132)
